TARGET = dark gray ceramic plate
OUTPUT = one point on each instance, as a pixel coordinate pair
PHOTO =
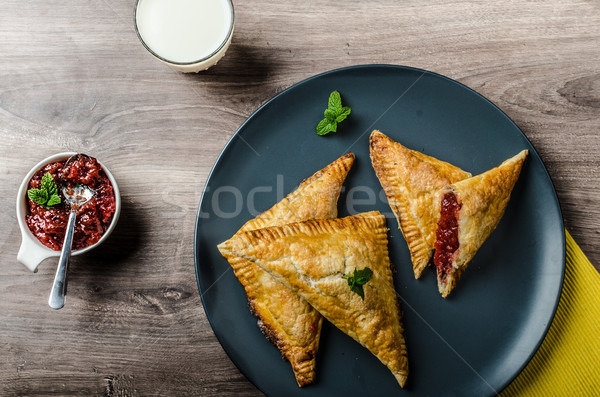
(473, 343)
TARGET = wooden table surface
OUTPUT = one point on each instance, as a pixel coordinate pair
(73, 76)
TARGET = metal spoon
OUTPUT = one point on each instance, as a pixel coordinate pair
(75, 196)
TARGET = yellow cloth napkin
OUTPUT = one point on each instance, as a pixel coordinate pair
(568, 361)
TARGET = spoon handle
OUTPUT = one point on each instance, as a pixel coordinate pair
(59, 288)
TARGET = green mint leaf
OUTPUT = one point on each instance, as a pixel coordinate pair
(335, 101)
(342, 114)
(366, 274)
(330, 114)
(47, 195)
(48, 183)
(358, 279)
(334, 114)
(53, 189)
(38, 196)
(325, 127)
(54, 199)
(358, 290)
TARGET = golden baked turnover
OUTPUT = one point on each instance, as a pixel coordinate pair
(315, 259)
(469, 212)
(285, 318)
(410, 180)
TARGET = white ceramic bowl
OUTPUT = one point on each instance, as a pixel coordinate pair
(32, 251)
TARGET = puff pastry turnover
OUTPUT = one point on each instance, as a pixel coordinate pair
(286, 319)
(469, 212)
(312, 257)
(410, 180)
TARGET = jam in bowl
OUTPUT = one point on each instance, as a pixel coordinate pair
(43, 224)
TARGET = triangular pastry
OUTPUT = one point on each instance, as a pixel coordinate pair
(410, 180)
(312, 258)
(469, 212)
(286, 319)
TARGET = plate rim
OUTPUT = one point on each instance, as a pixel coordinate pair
(272, 99)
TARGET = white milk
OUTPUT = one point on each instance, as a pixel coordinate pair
(184, 31)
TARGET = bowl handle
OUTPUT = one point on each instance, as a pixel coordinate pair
(31, 254)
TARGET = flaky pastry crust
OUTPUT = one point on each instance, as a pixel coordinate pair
(286, 319)
(410, 180)
(312, 257)
(483, 199)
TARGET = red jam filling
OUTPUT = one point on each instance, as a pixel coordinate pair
(93, 218)
(446, 243)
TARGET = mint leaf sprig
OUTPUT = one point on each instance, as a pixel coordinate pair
(47, 195)
(358, 279)
(334, 114)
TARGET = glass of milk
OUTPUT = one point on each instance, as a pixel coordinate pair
(187, 35)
